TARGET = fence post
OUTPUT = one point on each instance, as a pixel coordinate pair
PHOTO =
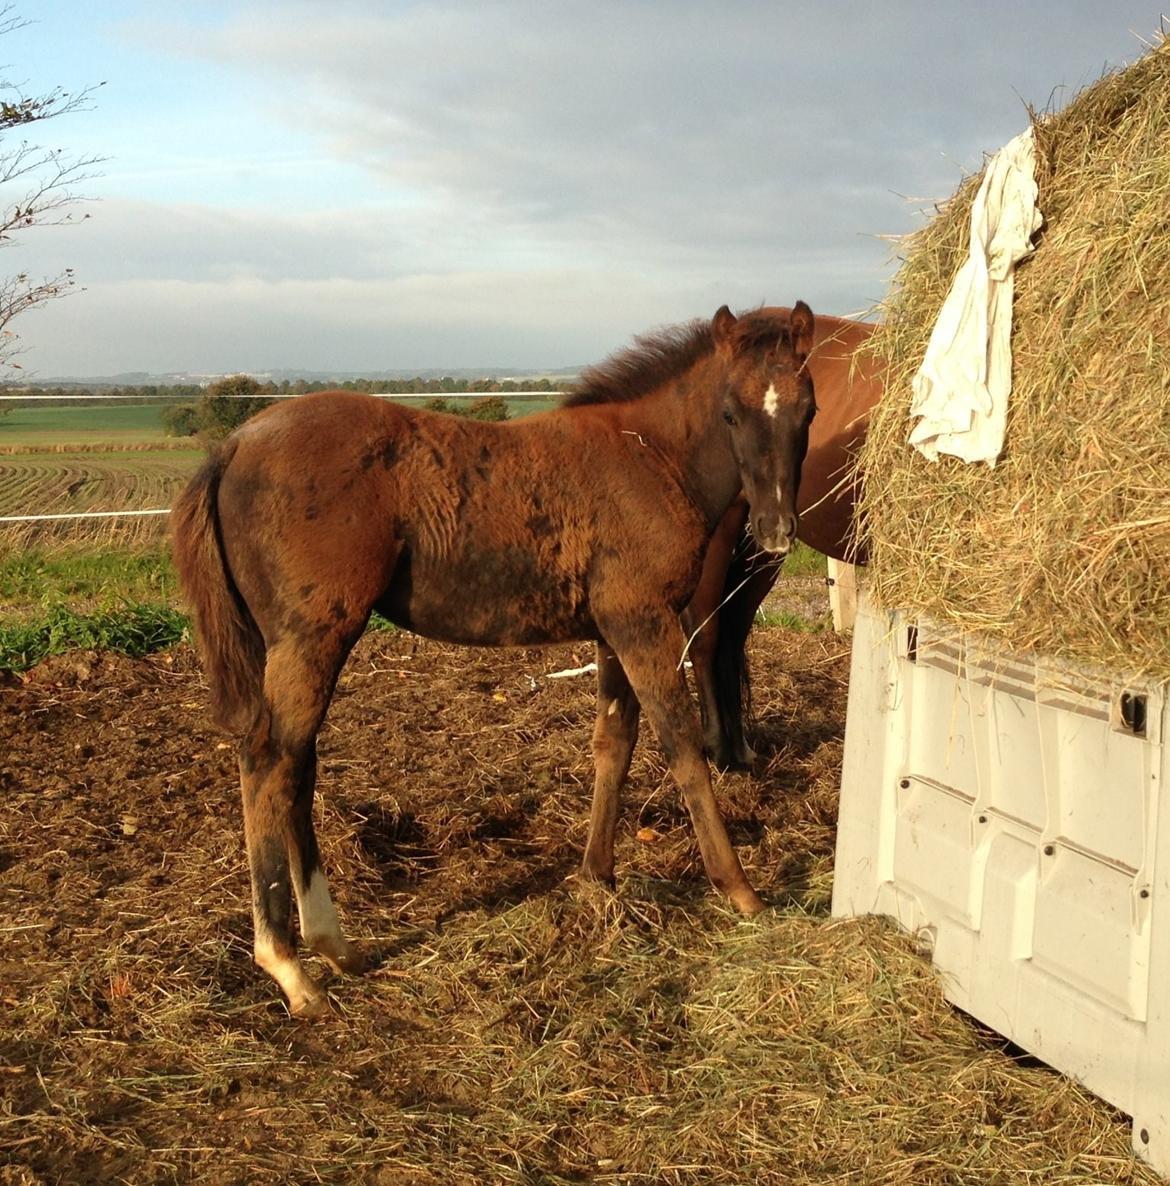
(842, 594)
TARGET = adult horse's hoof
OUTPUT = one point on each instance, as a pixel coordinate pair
(587, 875)
(729, 764)
(745, 757)
(730, 760)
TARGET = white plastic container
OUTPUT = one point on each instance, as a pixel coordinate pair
(1007, 807)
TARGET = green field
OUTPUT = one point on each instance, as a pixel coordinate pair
(116, 423)
(99, 423)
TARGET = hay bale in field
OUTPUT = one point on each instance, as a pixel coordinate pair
(1063, 547)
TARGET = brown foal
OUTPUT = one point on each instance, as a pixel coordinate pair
(589, 522)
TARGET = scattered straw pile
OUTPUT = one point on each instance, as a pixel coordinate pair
(516, 1030)
(1065, 546)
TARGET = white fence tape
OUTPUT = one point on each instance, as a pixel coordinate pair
(79, 515)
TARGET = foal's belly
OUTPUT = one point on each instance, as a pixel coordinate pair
(500, 599)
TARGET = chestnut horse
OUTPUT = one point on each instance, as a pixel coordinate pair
(737, 576)
(588, 522)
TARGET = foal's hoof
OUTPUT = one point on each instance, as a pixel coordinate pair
(747, 901)
(310, 1006)
(730, 761)
(745, 758)
(587, 876)
(343, 957)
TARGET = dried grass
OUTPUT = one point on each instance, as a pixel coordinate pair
(517, 1029)
(59, 535)
(1064, 546)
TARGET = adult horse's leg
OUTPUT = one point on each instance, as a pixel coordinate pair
(277, 773)
(702, 622)
(750, 578)
(615, 733)
(649, 652)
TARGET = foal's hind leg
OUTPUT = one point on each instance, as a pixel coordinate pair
(615, 732)
(320, 929)
(277, 774)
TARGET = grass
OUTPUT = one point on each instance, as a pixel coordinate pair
(31, 579)
(793, 621)
(803, 561)
(119, 423)
(52, 602)
(129, 629)
(126, 601)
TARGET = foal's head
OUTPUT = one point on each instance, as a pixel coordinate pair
(768, 405)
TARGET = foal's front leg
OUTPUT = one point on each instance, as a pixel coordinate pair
(615, 732)
(702, 621)
(650, 656)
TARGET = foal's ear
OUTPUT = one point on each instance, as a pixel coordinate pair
(801, 325)
(721, 326)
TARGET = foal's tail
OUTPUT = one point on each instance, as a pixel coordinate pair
(229, 640)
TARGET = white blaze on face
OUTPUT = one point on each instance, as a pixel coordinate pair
(771, 400)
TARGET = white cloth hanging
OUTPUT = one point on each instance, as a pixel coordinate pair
(961, 390)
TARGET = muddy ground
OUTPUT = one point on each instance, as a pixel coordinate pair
(511, 1024)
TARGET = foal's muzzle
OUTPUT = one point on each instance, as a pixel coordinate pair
(774, 532)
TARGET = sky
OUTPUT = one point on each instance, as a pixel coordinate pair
(523, 184)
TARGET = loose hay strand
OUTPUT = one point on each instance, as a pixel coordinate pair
(1064, 546)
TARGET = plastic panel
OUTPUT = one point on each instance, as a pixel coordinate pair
(1008, 807)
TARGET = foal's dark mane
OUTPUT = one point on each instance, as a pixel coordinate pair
(656, 357)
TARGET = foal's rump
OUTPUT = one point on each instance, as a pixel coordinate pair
(230, 644)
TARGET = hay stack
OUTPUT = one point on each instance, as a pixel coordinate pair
(1064, 547)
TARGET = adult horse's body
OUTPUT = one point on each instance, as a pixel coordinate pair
(587, 522)
(737, 576)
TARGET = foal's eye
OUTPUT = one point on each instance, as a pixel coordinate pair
(730, 418)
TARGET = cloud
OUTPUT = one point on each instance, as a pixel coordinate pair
(549, 178)
(513, 319)
(209, 289)
(615, 124)
(632, 132)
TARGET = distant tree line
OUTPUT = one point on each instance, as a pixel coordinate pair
(74, 395)
(225, 405)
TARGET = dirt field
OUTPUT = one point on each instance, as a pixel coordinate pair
(514, 1029)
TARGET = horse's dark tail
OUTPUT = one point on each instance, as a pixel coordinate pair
(229, 641)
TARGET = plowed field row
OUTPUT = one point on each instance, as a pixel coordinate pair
(57, 483)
